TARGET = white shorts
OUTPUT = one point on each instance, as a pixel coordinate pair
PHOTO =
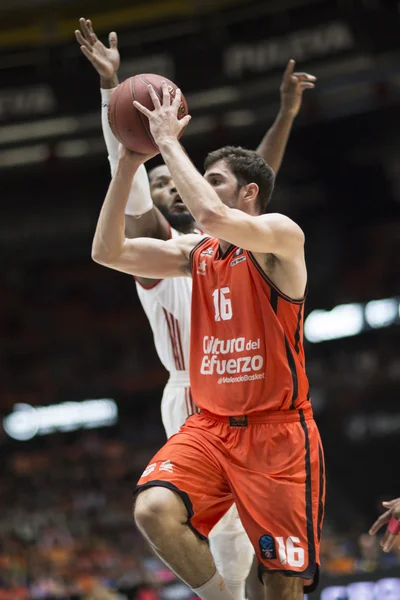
(177, 402)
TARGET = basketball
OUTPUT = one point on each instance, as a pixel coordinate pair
(129, 125)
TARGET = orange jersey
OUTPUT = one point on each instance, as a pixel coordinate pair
(246, 353)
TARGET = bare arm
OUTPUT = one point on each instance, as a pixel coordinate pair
(273, 145)
(271, 233)
(142, 257)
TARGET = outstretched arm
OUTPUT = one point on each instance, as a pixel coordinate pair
(275, 234)
(142, 257)
(142, 217)
(273, 145)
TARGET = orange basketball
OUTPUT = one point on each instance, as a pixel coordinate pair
(130, 126)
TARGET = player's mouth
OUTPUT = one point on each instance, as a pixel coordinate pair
(178, 205)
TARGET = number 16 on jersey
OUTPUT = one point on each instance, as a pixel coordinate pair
(222, 304)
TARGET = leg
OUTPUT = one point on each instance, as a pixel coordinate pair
(280, 499)
(228, 539)
(162, 518)
(254, 587)
(279, 587)
(181, 495)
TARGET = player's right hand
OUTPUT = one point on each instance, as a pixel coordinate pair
(393, 510)
(105, 60)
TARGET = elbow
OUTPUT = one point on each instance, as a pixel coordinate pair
(98, 256)
(102, 255)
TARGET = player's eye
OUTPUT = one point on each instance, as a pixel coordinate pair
(216, 181)
(160, 185)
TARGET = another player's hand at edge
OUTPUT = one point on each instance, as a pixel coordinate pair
(393, 510)
(164, 123)
(292, 87)
(105, 60)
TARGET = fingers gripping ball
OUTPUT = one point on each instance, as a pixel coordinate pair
(129, 125)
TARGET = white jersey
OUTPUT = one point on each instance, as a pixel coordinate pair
(167, 304)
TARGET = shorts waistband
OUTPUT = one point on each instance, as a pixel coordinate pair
(179, 378)
(273, 416)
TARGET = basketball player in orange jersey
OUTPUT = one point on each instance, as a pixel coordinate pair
(167, 302)
(254, 442)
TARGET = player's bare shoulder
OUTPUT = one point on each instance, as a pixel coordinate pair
(289, 234)
(186, 243)
(286, 267)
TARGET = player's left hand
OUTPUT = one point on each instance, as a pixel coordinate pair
(164, 122)
(393, 511)
(133, 158)
(292, 88)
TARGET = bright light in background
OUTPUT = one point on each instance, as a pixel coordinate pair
(27, 421)
(342, 321)
(347, 320)
(381, 313)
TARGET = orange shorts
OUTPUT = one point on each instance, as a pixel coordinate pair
(271, 465)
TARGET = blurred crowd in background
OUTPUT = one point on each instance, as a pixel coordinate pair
(71, 330)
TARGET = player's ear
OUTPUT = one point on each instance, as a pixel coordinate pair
(250, 192)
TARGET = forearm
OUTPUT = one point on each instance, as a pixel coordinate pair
(109, 238)
(107, 84)
(273, 145)
(197, 194)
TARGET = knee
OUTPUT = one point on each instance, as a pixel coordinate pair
(156, 507)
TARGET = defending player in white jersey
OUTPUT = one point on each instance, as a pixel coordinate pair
(167, 303)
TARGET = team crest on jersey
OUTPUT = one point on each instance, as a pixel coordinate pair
(208, 251)
(267, 546)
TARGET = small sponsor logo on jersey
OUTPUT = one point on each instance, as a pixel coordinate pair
(167, 466)
(237, 261)
(202, 268)
(207, 252)
(238, 252)
(267, 547)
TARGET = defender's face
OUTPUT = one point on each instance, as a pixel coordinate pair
(224, 182)
(164, 193)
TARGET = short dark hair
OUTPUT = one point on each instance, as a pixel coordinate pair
(248, 167)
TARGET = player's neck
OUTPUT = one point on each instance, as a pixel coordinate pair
(224, 246)
(190, 228)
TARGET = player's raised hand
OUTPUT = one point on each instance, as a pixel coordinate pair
(105, 60)
(393, 510)
(292, 88)
(164, 119)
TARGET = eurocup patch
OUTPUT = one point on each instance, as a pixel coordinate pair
(267, 547)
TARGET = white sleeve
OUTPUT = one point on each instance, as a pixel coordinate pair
(109, 138)
(139, 201)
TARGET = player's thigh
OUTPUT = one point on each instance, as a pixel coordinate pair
(175, 408)
(188, 465)
(280, 496)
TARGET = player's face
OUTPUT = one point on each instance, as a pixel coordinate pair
(166, 197)
(224, 182)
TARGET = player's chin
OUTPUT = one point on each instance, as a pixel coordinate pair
(179, 219)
